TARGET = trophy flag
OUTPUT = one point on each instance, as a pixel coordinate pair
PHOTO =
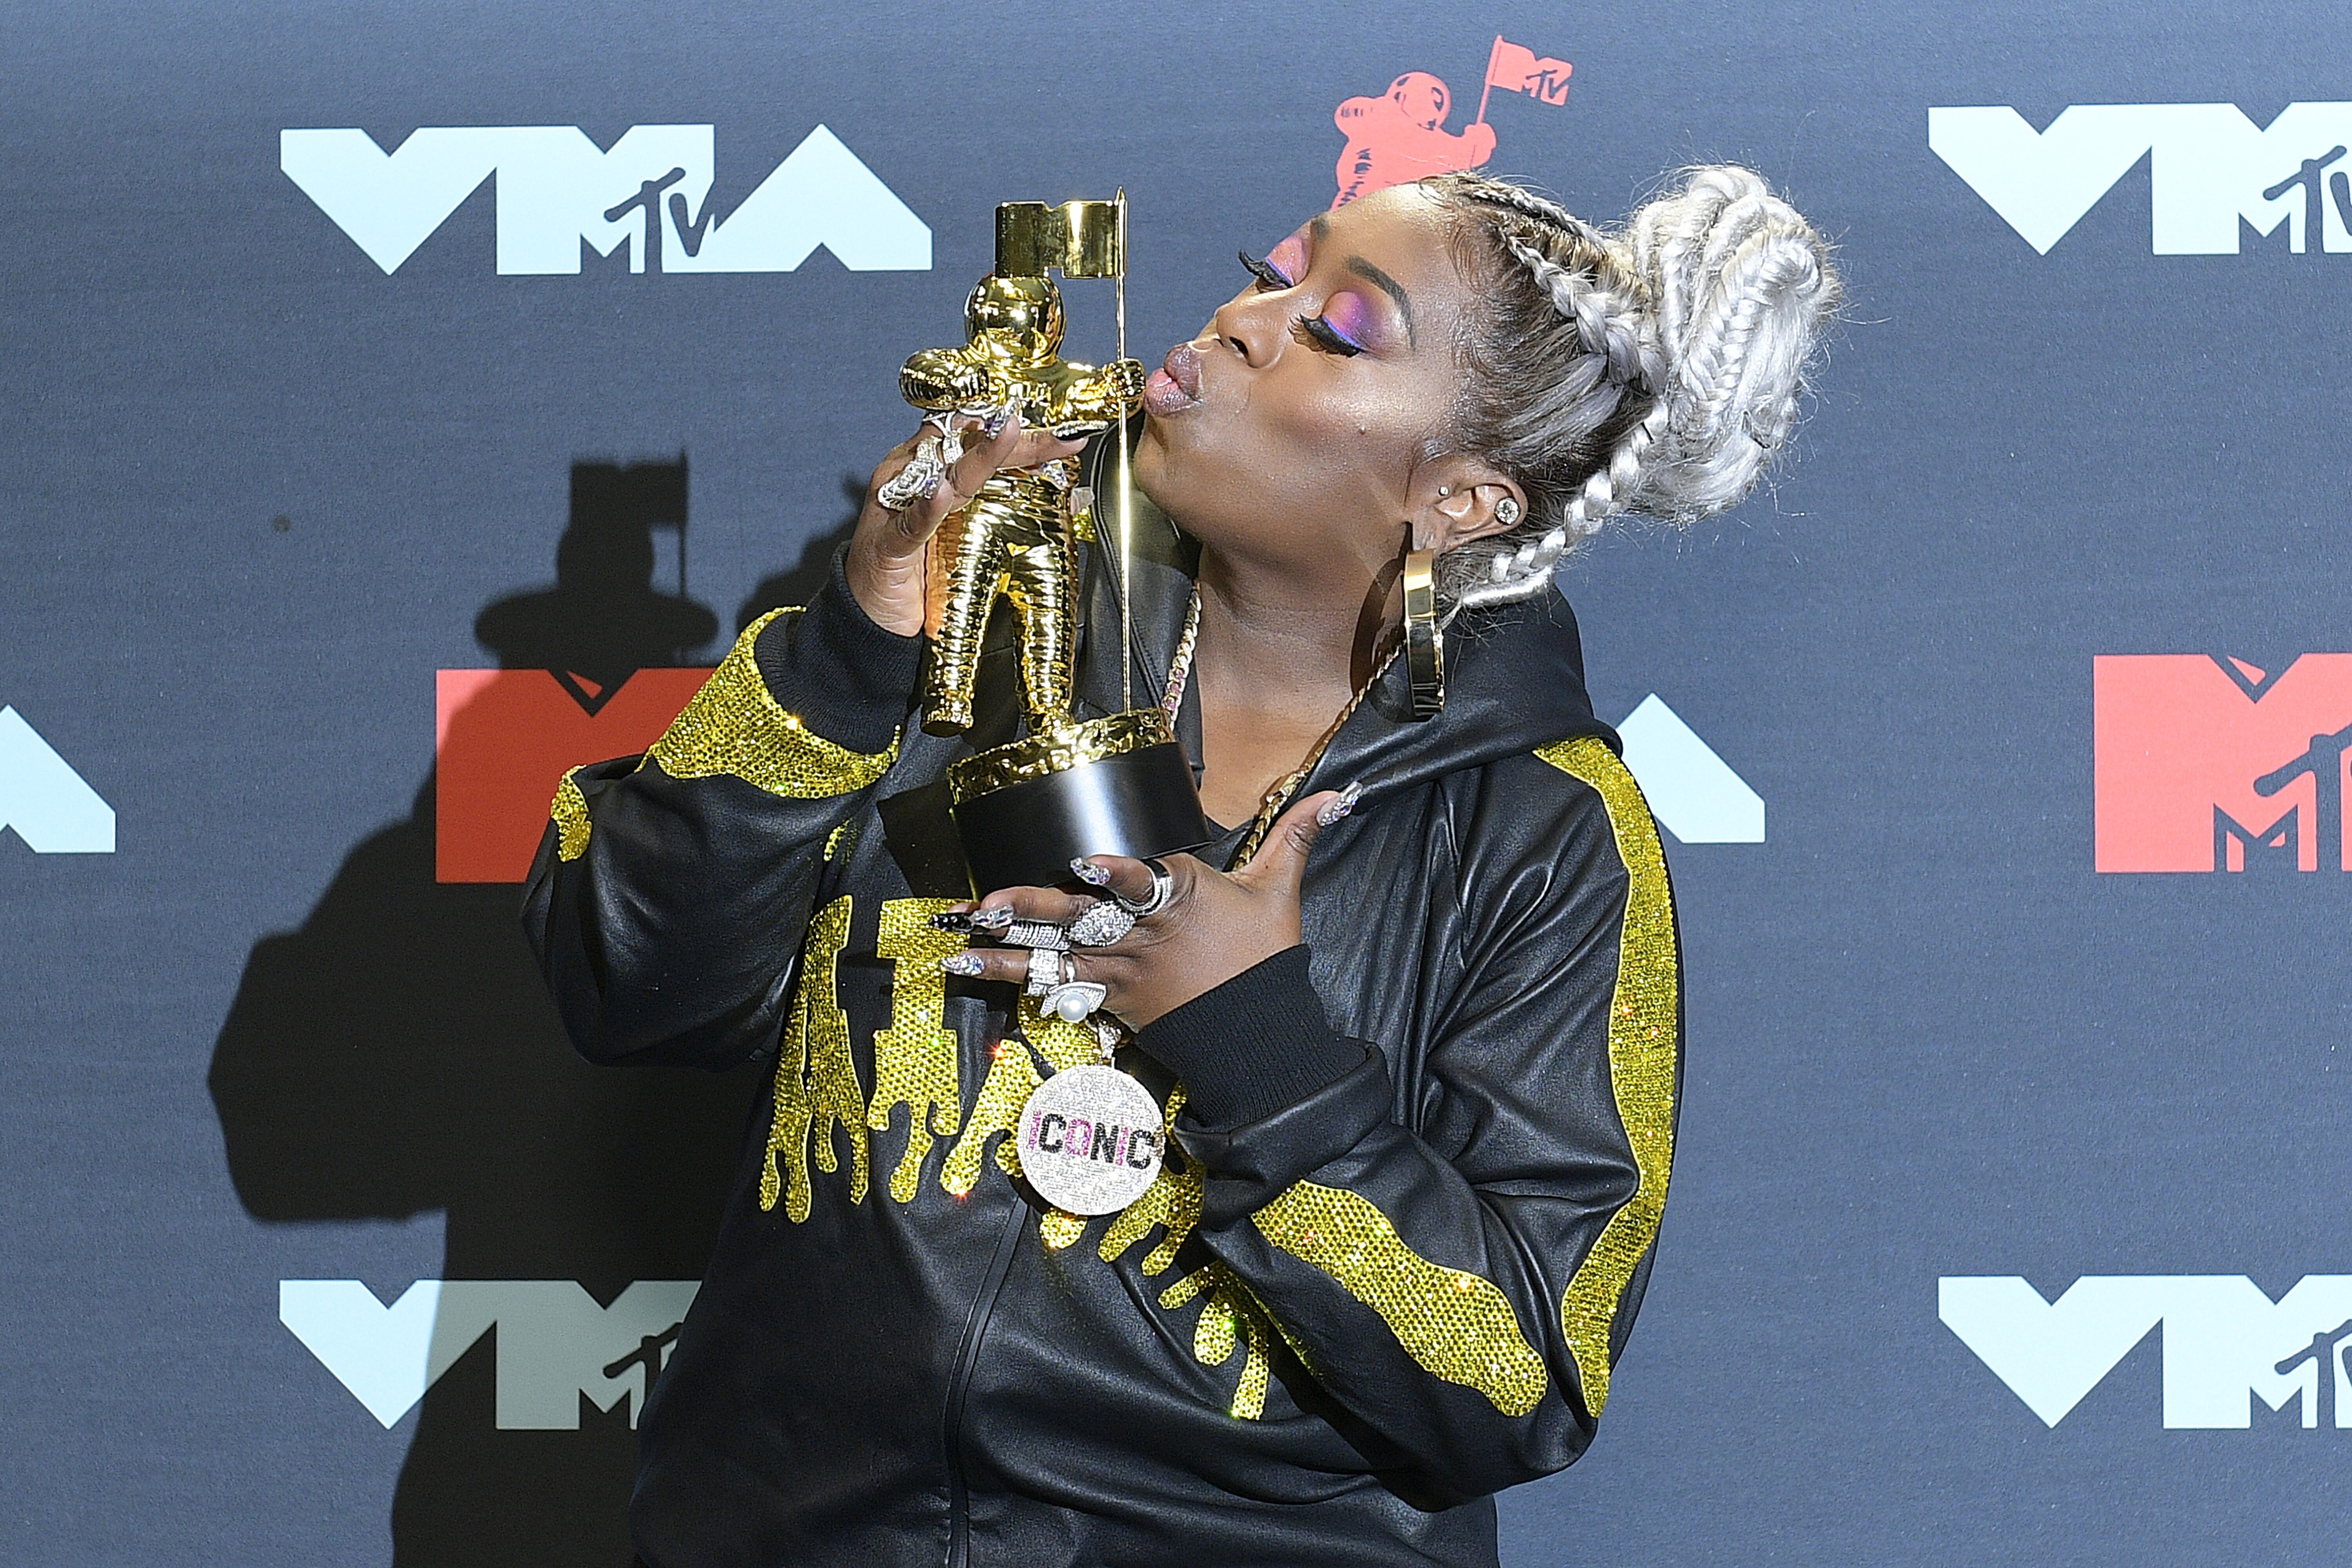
(1517, 69)
(1080, 239)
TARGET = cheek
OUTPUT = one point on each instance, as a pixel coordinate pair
(1318, 443)
(1368, 429)
(1319, 467)
(1301, 450)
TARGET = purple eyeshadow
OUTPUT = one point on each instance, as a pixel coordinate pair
(1289, 259)
(1350, 318)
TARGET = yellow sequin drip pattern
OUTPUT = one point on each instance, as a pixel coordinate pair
(570, 814)
(1171, 1202)
(915, 1057)
(1644, 1030)
(1455, 1325)
(1229, 1317)
(734, 726)
(1012, 1079)
(816, 1085)
(1059, 1229)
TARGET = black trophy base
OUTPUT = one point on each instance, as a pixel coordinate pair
(1115, 785)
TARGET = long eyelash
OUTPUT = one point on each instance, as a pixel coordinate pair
(1264, 274)
(1327, 335)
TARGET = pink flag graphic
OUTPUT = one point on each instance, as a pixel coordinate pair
(1516, 68)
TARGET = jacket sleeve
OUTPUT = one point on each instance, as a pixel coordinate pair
(671, 892)
(1458, 1287)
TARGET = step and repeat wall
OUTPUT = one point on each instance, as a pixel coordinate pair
(406, 402)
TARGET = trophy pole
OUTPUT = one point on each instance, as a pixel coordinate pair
(1126, 496)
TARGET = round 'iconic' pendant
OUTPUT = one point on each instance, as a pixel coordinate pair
(1090, 1140)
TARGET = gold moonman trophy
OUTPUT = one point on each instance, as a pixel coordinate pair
(1119, 785)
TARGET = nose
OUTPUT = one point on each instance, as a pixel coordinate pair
(1250, 324)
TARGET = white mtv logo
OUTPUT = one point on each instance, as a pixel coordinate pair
(2224, 1341)
(2209, 167)
(555, 1343)
(1693, 792)
(44, 800)
(651, 191)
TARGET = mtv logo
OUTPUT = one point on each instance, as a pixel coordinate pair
(555, 1343)
(2209, 169)
(2215, 764)
(503, 739)
(2225, 1342)
(651, 189)
(44, 800)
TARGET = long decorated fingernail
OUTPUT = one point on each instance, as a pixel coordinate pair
(962, 964)
(995, 918)
(955, 921)
(1334, 810)
(994, 426)
(1086, 871)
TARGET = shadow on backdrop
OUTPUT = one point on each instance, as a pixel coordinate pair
(398, 1054)
(797, 585)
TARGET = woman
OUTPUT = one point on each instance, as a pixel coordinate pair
(1414, 1019)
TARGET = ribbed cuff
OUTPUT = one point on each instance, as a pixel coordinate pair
(842, 675)
(1252, 1046)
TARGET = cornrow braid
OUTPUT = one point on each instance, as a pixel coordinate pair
(1653, 372)
(1519, 199)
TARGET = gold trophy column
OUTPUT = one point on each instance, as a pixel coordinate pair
(1014, 546)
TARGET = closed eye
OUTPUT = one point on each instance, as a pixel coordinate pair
(1267, 278)
(1327, 337)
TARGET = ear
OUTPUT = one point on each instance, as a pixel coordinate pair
(1455, 500)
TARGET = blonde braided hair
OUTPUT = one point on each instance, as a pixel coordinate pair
(1656, 372)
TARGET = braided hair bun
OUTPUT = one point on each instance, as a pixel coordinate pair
(1741, 286)
(1656, 370)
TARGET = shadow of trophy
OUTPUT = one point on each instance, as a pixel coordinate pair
(398, 1055)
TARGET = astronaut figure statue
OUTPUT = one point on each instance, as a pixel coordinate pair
(1016, 536)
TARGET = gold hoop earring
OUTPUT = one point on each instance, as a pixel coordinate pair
(1424, 644)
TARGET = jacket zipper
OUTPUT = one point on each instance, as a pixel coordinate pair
(975, 1329)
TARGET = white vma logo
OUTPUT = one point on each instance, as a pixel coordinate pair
(555, 1343)
(44, 800)
(557, 190)
(2224, 1341)
(1693, 792)
(2209, 168)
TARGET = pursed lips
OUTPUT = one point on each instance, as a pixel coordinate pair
(1175, 386)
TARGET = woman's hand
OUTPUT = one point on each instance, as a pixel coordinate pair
(887, 550)
(1213, 926)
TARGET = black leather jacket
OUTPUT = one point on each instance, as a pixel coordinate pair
(1421, 1164)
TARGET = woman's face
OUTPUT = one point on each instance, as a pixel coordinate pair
(1292, 433)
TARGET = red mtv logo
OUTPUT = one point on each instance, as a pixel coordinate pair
(2206, 764)
(502, 740)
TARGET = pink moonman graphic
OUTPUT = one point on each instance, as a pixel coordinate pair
(1401, 136)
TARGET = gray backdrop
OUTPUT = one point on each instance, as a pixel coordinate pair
(255, 492)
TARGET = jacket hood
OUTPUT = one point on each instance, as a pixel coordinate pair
(1514, 674)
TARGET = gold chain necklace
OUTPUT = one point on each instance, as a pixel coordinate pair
(1277, 796)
